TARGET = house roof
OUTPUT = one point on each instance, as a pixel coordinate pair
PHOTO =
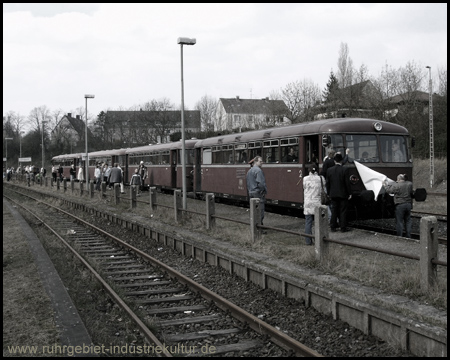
(191, 117)
(413, 96)
(254, 106)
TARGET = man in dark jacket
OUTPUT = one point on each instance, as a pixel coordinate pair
(115, 175)
(338, 187)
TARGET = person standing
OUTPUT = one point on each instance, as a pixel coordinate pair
(312, 188)
(256, 184)
(54, 173)
(60, 172)
(338, 188)
(98, 177)
(122, 189)
(115, 175)
(106, 173)
(80, 174)
(72, 172)
(143, 172)
(403, 195)
(136, 180)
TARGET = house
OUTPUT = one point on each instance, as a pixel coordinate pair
(354, 100)
(238, 114)
(418, 100)
(69, 134)
(135, 128)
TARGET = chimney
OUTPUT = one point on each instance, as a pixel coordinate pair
(78, 117)
(69, 114)
(267, 98)
(237, 97)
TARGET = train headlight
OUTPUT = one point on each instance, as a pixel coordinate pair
(354, 179)
(377, 126)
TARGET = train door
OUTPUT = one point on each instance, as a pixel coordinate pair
(311, 152)
(174, 160)
(198, 171)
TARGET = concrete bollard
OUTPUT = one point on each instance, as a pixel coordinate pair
(255, 219)
(58, 180)
(81, 188)
(210, 211)
(133, 197)
(321, 232)
(65, 184)
(103, 188)
(177, 205)
(152, 191)
(46, 182)
(91, 189)
(428, 251)
(116, 193)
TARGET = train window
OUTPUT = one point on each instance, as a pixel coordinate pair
(289, 150)
(165, 157)
(271, 151)
(189, 156)
(254, 149)
(227, 151)
(240, 151)
(217, 155)
(363, 148)
(393, 148)
(206, 156)
(337, 144)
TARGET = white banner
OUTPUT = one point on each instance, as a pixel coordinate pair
(28, 159)
(373, 180)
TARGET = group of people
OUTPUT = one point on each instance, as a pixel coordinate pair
(334, 179)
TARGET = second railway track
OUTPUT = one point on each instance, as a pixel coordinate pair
(190, 319)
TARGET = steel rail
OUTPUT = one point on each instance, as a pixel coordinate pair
(146, 331)
(255, 323)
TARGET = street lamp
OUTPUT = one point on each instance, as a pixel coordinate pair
(20, 145)
(86, 141)
(6, 159)
(183, 41)
(430, 112)
(43, 122)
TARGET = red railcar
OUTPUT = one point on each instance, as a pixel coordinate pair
(66, 161)
(222, 161)
(109, 157)
(164, 165)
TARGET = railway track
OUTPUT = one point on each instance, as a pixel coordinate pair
(190, 319)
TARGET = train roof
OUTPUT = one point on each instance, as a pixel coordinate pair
(67, 156)
(189, 144)
(107, 152)
(326, 126)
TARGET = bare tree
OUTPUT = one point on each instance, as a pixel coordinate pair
(345, 71)
(207, 107)
(37, 116)
(300, 98)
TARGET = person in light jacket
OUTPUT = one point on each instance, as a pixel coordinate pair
(312, 189)
(115, 175)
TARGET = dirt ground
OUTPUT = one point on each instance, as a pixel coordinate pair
(28, 318)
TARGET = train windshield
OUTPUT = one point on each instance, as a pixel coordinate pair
(363, 148)
(393, 148)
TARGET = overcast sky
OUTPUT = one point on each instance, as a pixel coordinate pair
(127, 54)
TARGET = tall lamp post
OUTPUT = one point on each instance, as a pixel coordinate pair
(430, 112)
(20, 146)
(43, 122)
(86, 141)
(6, 159)
(183, 41)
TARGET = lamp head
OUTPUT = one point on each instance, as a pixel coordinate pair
(186, 41)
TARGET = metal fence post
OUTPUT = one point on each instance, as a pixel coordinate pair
(91, 189)
(103, 192)
(116, 193)
(177, 204)
(320, 232)
(133, 197)
(255, 219)
(152, 191)
(210, 211)
(428, 251)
